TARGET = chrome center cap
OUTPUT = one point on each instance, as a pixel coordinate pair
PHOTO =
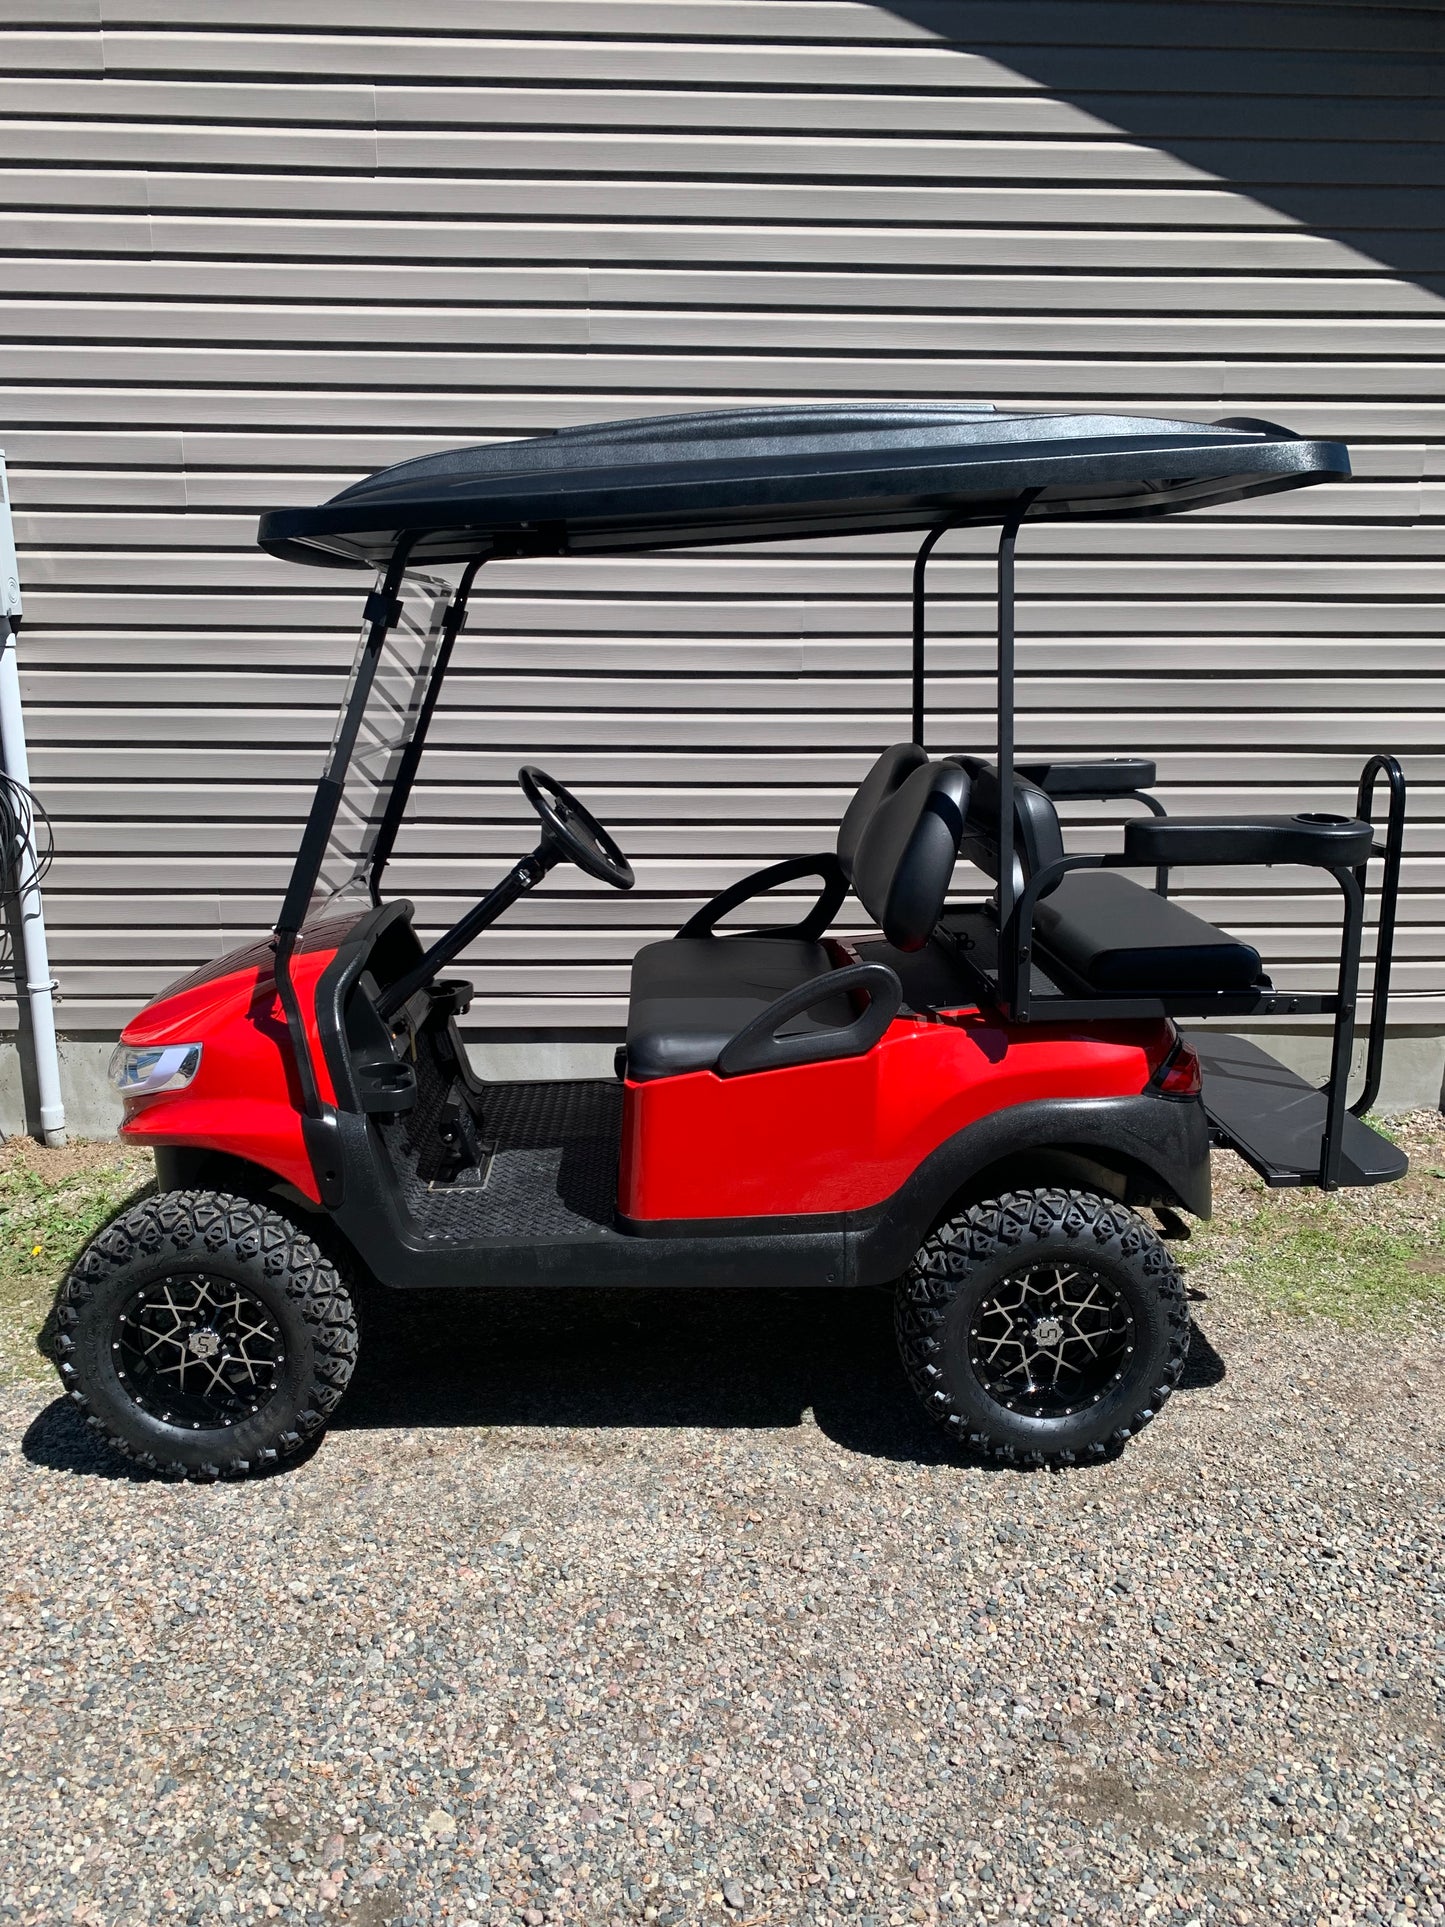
(1048, 1331)
(204, 1343)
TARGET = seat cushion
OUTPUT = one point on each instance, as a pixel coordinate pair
(1124, 940)
(692, 995)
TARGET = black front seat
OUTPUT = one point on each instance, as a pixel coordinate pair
(897, 844)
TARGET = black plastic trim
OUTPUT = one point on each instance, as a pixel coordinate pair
(1168, 1140)
(1318, 840)
(808, 929)
(334, 985)
(757, 1047)
(1109, 777)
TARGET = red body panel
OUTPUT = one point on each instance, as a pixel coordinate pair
(845, 1135)
(244, 1099)
(829, 1137)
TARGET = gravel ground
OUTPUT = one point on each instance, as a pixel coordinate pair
(629, 1608)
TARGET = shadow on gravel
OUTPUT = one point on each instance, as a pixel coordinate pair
(601, 1359)
(59, 1439)
(710, 1358)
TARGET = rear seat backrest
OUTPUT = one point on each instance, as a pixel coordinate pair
(903, 863)
(1038, 840)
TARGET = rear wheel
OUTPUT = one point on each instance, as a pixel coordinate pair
(1043, 1327)
(205, 1334)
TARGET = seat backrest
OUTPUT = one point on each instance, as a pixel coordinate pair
(893, 767)
(1038, 840)
(903, 863)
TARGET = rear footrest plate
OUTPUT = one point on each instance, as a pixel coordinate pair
(1276, 1121)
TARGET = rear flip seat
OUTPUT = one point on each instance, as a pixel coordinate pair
(1109, 932)
(1123, 940)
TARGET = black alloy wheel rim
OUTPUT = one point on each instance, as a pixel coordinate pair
(1051, 1340)
(197, 1351)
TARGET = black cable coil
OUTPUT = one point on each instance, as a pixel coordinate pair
(22, 820)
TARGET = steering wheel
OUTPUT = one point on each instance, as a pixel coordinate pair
(573, 831)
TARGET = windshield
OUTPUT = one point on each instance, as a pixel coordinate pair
(388, 722)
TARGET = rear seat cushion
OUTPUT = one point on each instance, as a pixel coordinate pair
(692, 995)
(1124, 940)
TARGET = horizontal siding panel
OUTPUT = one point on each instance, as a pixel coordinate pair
(718, 328)
(721, 780)
(229, 569)
(455, 250)
(812, 810)
(1072, 732)
(687, 656)
(1204, 116)
(990, 22)
(319, 292)
(455, 418)
(180, 613)
(705, 377)
(472, 698)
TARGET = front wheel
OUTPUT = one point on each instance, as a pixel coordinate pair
(205, 1335)
(1043, 1327)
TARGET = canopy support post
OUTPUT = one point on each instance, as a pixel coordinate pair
(1009, 961)
(920, 593)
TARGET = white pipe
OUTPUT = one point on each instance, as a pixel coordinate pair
(39, 985)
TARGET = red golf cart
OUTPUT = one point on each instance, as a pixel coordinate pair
(982, 1106)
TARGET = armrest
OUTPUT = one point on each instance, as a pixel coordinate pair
(1111, 776)
(757, 1047)
(1326, 842)
(808, 928)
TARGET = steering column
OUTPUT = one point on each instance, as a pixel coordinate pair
(570, 832)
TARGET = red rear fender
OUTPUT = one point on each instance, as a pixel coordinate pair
(844, 1135)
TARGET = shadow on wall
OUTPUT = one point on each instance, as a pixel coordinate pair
(1333, 116)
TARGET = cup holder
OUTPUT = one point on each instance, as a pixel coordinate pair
(1321, 816)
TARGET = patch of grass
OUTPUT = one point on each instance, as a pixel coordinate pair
(1322, 1263)
(51, 1202)
(1367, 1257)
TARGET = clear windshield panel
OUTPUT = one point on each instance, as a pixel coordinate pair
(388, 723)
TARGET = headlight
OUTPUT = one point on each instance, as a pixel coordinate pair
(145, 1070)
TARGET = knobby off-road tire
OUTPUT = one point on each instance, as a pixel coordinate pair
(205, 1335)
(1043, 1327)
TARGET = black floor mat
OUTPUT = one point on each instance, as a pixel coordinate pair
(552, 1172)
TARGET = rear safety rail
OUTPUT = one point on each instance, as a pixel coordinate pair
(1290, 1131)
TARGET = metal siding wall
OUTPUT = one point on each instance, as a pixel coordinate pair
(251, 251)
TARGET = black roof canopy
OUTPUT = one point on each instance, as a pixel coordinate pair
(742, 475)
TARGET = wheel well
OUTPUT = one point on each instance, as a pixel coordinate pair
(183, 1168)
(1085, 1168)
(180, 1167)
